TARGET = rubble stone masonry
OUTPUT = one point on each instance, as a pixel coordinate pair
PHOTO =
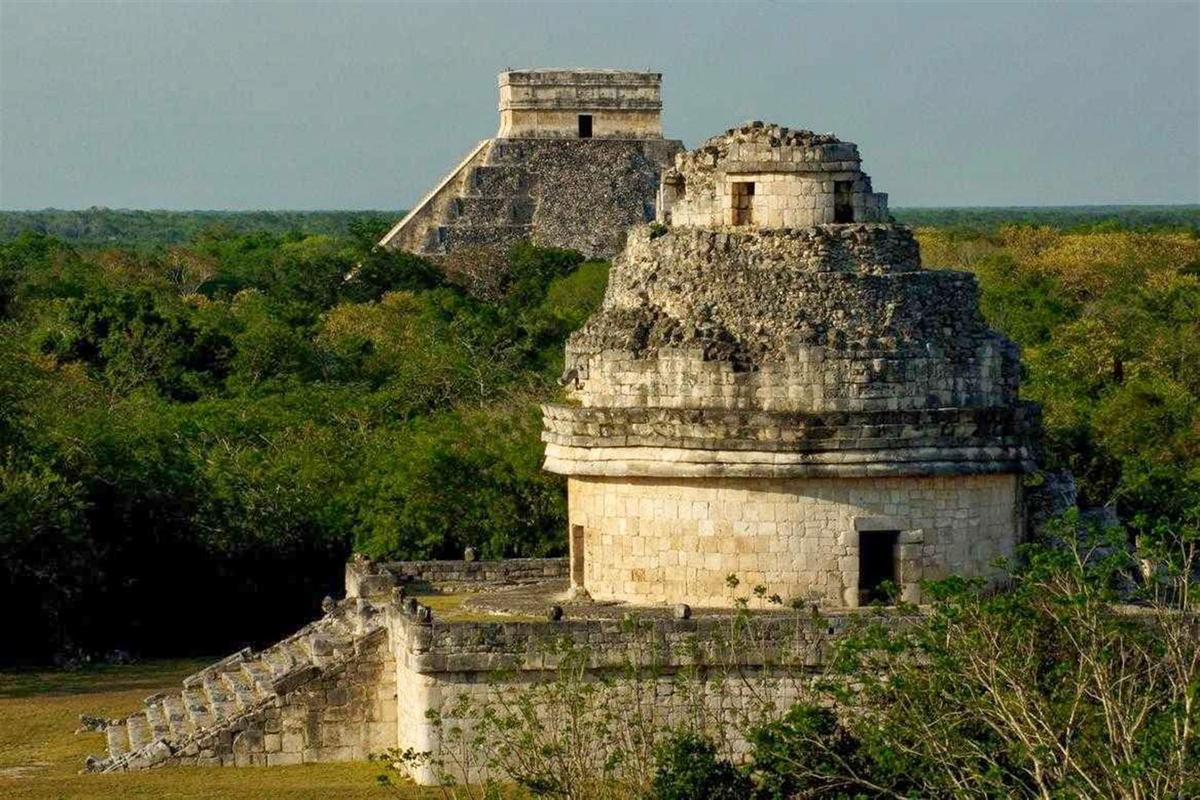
(774, 388)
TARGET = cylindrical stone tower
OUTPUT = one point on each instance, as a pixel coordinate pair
(775, 389)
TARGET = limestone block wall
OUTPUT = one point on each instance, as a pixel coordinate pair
(547, 103)
(780, 200)
(440, 663)
(556, 124)
(659, 540)
(346, 714)
(812, 379)
(506, 571)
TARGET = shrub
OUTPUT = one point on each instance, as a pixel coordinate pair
(687, 767)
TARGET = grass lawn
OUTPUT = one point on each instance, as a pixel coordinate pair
(40, 755)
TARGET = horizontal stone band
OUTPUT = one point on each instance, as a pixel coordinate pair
(683, 463)
(719, 429)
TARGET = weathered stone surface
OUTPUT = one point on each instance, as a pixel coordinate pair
(303, 699)
(773, 375)
(539, 181)
(769, 176)
(546, 103)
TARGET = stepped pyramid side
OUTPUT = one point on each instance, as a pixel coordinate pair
(325, 693)
(542, 179)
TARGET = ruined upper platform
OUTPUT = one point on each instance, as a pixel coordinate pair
(746, 339)
(763, 175)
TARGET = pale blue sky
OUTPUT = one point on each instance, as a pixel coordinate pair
(364, 105)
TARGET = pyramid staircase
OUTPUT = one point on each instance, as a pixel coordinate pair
(493, 208)
(219, 698)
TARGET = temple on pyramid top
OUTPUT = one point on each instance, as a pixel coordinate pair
(580, 104)
(576, 162)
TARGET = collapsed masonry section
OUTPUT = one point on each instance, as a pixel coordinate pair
(769, 176)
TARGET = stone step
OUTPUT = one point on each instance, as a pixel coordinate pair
(278, 659)
(195, 702)
(451, 236)
(497, 181)
(198, 678)
(301, 650)
(157, 719)
(221, 702)
(213, 697)
(241, 687)
(260, 676)
(140, 732)
(118, 739)
(491, 210)
(178, 719)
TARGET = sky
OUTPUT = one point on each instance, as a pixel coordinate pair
(190, 105)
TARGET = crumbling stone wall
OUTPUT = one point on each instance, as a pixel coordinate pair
(799, 179)
(346, 714)
(479, 573)
(587, 194)
(825, 319)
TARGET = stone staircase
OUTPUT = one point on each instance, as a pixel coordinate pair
(196, 724)
(494, 208)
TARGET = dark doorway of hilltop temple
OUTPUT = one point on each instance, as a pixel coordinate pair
(585, 126)
(743, 202)
(843, 201)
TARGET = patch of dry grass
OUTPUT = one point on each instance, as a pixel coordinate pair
(450, 607)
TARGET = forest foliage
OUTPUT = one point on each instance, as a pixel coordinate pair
(120, 227)
(190, 430)
(195, 431)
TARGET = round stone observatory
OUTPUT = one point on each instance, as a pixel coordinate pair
(775, 389)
